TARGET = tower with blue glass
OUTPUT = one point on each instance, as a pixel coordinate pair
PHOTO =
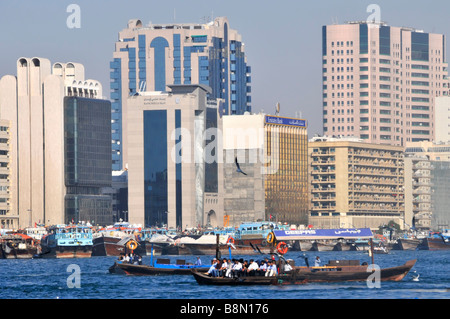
(149, 58)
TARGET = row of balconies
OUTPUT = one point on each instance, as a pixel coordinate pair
(382, 154)
(381, 206)
(422, 166)
(375, 171)
(374, 189)
(376, 180)
(376, 163)
(375, 198)
(323, 180)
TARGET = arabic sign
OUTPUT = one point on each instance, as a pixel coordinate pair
(284, 121)
(354, 233)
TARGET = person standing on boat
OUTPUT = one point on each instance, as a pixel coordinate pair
(317, 262)
(198, 262)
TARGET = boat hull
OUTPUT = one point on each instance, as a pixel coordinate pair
(304, 275)
(321, 246)
(64, 252)
(406, 244)
(144, 270)
(433, 244)
(13, 253)
(111, 246)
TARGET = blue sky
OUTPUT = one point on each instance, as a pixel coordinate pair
(282, 38)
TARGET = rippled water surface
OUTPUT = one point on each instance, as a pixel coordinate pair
(48, 279)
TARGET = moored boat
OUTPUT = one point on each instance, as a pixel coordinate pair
(248, 239)
(160, 267)
(433, 243)
(73, 241)
(111, 240)
(17, 246)
(406, 244)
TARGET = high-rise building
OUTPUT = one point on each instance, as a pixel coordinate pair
(380, 82)
(442, 116)
(427, 180)
(272, 152)
(60, 137)
(175, 174)
(8, 219)
(149, 58)
(355, 184)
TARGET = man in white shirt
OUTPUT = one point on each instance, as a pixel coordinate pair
(287, 266)
(252, 268)
(223, 268)
(237, 267)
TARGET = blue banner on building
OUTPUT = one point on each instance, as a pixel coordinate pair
(284, 121)
(311, 234)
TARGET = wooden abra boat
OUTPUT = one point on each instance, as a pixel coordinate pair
(335, 271)
(162, 266)
(158, 269)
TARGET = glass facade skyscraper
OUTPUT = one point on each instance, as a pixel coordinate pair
(87, 125)
(148, 58)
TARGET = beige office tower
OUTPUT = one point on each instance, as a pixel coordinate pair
(355, 184)
(8, 220)
(427, 181)
(175, 174)
(272, 154)
(34, 102)
(380, 82)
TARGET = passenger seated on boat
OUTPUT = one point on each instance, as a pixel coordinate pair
(271, 269)
(287, 266)
(262, 268)
(237, 267)
(244, 268)
(253, 268)
(213, 272)
(223, 268)
(227, 272)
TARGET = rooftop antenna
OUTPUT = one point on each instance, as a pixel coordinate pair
(277, 109)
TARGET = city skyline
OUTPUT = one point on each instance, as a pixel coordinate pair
(299, 67)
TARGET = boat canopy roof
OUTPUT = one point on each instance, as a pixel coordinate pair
(311, 234)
